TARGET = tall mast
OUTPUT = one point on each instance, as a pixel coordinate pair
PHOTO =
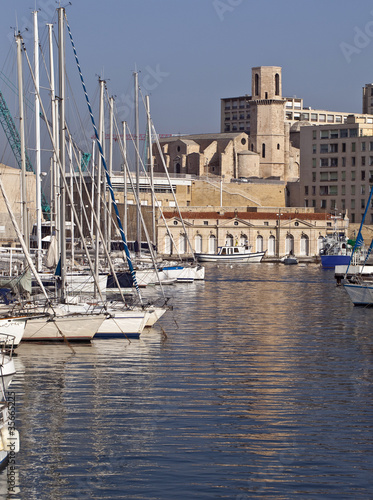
(55, 220)
(98, 178)
(111, 118)
(124, 126)
(37, 145)
(62, 155)
(138, 220)
(150, 163)
(24, 217)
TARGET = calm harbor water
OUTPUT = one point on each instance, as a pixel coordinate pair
(259, 384)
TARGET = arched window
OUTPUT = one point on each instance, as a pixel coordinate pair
(259, 243)
(278, 146)
(178, 168)
(256, 90)
(198, 243)
(263, 150)
(289, 244)
(304, 245)
(271, 245)
(213, 246)
(277, 84)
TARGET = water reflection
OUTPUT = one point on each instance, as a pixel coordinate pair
(261, 386)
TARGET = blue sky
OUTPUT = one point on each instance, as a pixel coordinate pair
(190, 53)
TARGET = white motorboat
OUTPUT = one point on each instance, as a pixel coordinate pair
(289, 260)
(227, 253)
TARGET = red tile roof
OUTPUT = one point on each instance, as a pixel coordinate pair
(248, 215)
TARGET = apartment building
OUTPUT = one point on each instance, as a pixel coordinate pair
(336, 167)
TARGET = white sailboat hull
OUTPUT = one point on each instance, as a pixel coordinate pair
(360, 294)
(239, 257)
(74, 327)
(15, 327)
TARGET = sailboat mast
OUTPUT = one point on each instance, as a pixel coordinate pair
(37, 146)
(151, 165)
(138, 220)
(55, 221)
(22, 140)
(62, 153)
(124, 128)
(99, 180)
(111, 127)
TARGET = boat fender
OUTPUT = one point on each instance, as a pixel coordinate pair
(10, 439)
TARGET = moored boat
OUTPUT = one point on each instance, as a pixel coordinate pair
(227, 253)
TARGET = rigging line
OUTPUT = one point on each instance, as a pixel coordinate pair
(95, 219)
(152, 190)
(139, 209)
(64, 178)
(168, 176)
(105, 166)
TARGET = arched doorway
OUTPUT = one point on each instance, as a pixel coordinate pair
(167, 245)
(289, 244)
(272, 245)
(259, 243)
(182, 243)
(213, 245)
(304, 245)
(198, 243)
(229, 240)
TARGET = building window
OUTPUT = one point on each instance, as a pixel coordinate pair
(324, 176)
(334, 134)
(314, 150)
(324, 190)
(334, 162)
(353, 147)
(256, 89)
(330, 118)
(313, 176)
(313, 190)
(343, 175)
(363, 146)
(205, 222)
(324, 134)
(322, 118)
(343, 161)
(353, 190)
(334, 176)
(353, 132)
(313, 162)
(353, 161)
(314, 134)
(263, 150)
(353, 218)
(278, 146)
(314, 118)
(277, 84)
(333, 190)
(306, 190)
(343, 147)
(362, 190)
(324, 148)
(333, 148)
(353, 204)
(343, 133)
(363, 161)
(363, 175)
(323, 204)
(343, 189)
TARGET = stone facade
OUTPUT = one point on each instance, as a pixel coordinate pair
(11, 178)
(277, 231)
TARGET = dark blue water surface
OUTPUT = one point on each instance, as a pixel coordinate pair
(257, 385)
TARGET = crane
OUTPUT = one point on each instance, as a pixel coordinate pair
(12, 135)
